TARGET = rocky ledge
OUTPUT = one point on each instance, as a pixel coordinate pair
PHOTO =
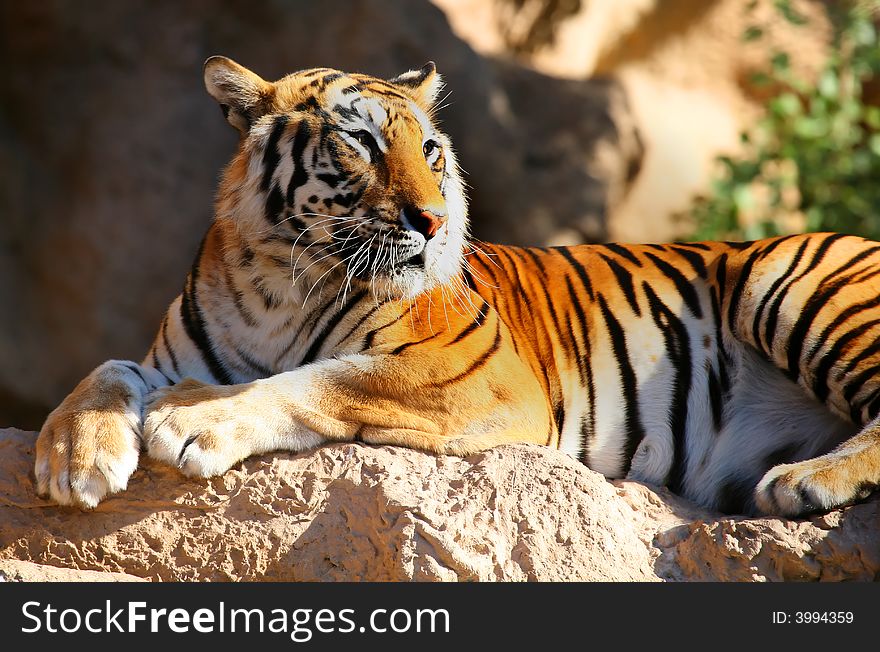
(357, 512)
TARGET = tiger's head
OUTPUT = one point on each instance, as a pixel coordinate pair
(345, 172)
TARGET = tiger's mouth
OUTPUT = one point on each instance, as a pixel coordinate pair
(381, 262)
(416, 260)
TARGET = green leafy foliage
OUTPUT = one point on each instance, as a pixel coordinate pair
(812, 163)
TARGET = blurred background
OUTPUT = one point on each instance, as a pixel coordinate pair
(575, 121)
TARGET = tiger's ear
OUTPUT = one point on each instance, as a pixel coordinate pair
(243, 95)
(423, 85)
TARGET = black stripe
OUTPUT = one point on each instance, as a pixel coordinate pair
(331, 180)
(567, 331)
(715, 399)
(623, 251)
(866, 404)
(768, 297)
(743, 278)
(474, 325)
(270, 301)
(694, 259)
(194, 325)
(716, 294)
(635, 432)
(237, 296)
(168, 347)
(739, 246)
(372, 311)
(331, 324)
(863, 355)
(479, 363)
(833, 355)
(253, 364)
(559, 420)
(307, 321)
(586, 371)
(693, 245)
(535, 258)
(526, 257)
(814, 305)
(678, 349)
(844, 316)
(625, 280)
(274, 205)
(581, 272)
(332, 77)
(368, 339)
(270, 154)
(299, 176)
(516, 284)
(873, 408)
(772, 317)
(487, 268)
(852, 262)
(403, 347)
(682, 284)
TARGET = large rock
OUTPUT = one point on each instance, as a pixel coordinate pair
(110, 150)
(354, 512)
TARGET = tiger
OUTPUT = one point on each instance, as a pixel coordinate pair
(338, 296)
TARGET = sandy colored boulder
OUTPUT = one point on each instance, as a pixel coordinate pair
(356, 512)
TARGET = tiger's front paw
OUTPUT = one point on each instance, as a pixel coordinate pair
(89, 445)
(818, 484)
(196, 428)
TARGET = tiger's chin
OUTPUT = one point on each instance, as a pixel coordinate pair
(409, 278)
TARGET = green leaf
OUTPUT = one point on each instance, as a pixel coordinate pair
(828, 85)
(790, 13)
(742, 198)
(780, 61)
(752, 33)
(786, 104)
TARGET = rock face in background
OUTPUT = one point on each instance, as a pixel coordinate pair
(110, 150)
(354, 512)
(685, 68)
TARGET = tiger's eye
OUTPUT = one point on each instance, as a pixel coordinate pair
(365, 138)
(429, 147)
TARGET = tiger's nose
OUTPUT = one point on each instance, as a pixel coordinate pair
(424, 221)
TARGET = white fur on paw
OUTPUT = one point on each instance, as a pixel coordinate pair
(107, 473)
(796, 489)
(777, 495)
(199, 463)
(90, 444)
(182, 442)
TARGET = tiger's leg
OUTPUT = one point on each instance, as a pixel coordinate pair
(382, 399)
(848, 473)
(89, 445)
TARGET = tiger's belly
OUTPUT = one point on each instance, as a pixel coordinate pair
(667, 408)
